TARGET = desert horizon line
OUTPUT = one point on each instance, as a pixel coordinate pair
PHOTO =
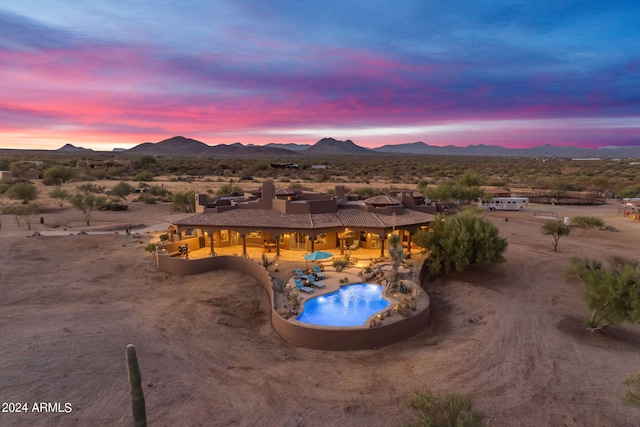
(87, 145)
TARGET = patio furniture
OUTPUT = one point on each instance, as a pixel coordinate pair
(302, 287)
(300, 273)
(317, 271)
(312, 281)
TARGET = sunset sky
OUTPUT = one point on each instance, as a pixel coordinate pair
(105, 74)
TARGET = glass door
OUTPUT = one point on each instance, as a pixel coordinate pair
(299, 241)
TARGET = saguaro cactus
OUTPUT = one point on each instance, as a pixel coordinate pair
(135, 381)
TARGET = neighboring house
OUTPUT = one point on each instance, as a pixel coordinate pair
(6, 177)
(305, 220)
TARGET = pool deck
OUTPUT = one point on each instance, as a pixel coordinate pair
(332, 281)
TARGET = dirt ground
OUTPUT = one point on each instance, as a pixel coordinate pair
(510, 336)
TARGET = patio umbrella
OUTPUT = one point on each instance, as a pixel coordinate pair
(316, 256)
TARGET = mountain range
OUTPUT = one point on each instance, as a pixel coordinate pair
(181, 146)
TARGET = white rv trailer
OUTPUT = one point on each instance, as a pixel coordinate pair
(504, 203)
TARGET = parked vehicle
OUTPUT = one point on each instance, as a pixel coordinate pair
(504, 203)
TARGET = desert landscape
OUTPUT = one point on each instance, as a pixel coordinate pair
(510, 336)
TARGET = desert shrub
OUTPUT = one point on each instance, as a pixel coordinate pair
(450, 410)
(157, 190)
(143, 176)
(586, 222)
(22, 191)
(164, 237)
(183, 201)
(114, 206)
(632, 394)
(629, 192)
(147, 198)
(278, 284)
(4, 188)
(612, 294)
(88, 187)
(228, 189)
(255, 302)
(367, 192)
(340, 263)
(294, 298)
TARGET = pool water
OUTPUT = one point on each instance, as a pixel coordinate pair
(351, 305)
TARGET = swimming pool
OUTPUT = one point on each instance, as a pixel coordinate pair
(351, 305)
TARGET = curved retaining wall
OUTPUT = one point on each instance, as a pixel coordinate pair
(305, 336)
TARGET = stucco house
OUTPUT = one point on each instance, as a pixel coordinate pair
(303, 220)
(6, 177)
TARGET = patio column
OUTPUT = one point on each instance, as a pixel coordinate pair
(313, 241)
(211, 245)
(244, 244)
(409, 244)
(277, 245)
(382, 240)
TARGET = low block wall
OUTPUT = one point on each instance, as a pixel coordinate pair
(303, 335)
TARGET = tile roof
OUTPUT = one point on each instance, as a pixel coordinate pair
(382, 200)
(269, 218)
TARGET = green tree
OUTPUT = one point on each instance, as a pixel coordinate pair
(469, 180)
(451, 192)
(587, 222)
(146, 161)
(557, 229)
(183, 201)
(25, 212)
(158, 191)
(448, 410)
(143, 176)
(122, 190)
(458, 241)
(57, 175)
(60, 195)
(87, 203)
(23, 191)
(612, 294)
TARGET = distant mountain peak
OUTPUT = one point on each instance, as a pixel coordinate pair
(181, 146)
(334, 146)
(70, 148)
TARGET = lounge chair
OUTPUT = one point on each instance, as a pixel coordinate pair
(318, 273)
(312, 281)
(302, 287)
(300, 274)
